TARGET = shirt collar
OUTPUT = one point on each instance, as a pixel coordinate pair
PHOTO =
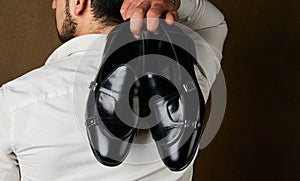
(78, 44)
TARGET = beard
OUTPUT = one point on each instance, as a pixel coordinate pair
(68, 28)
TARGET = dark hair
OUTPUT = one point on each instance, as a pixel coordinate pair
(107, 11)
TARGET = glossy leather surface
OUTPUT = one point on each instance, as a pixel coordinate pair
(167, 92)
(110, 137)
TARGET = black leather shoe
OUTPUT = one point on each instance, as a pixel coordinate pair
(110, 128)
(179, 105)
(166, 88)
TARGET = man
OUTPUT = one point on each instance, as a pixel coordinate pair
(42, 131)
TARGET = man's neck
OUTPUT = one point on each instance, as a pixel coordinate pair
(90, 26)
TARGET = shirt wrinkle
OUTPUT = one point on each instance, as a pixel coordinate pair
(41, 98)
(46, 109)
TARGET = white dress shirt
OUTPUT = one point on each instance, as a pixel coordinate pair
(42, 131)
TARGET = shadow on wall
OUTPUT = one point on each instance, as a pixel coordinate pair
(258, 139)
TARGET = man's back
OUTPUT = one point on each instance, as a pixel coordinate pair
(42, 131)
(45, 122)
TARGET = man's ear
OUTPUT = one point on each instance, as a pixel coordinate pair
(80, 6)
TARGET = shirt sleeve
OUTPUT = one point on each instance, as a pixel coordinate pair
(207, 21)
(9, 169)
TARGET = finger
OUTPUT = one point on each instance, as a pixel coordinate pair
(128, 12)
(135, 27)
(153, 16)
(130, 9)
(171, 17)
(152, 24)
(136, 21)
(134, 5)
(124, 8)
(160, 7)
(167, 5)
(154, 13)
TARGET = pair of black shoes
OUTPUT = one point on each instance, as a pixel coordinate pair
(146, 83)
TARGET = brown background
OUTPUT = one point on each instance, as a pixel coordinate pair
(259, 137)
